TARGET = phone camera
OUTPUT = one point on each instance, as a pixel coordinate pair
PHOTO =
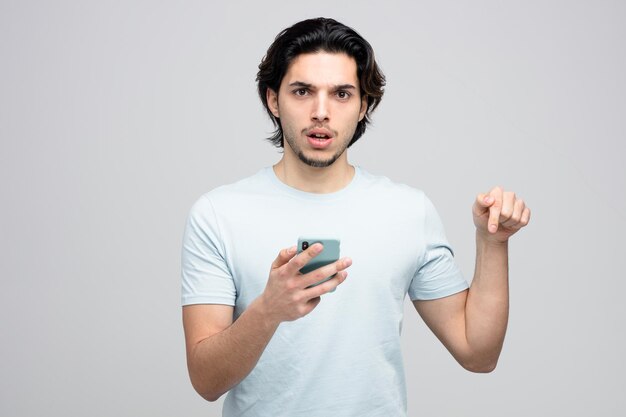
(305, 245)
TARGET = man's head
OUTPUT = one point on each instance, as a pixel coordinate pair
(305, 39)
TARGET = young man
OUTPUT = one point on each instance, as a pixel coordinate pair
(269, 338)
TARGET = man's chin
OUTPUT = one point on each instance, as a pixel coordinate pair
(318, 163)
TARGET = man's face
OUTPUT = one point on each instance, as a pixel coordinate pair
(319, 106)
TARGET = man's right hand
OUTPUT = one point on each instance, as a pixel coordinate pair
(286, 296)
(220, 352)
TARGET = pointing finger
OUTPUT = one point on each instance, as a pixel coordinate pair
(495, 209)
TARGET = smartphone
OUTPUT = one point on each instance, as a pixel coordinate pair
(328, 255)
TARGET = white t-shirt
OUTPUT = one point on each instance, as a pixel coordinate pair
(344, 358)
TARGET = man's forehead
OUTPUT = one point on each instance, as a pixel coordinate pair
(322, 68)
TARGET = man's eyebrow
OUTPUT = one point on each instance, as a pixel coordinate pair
(345, 87)
(335, 87)
(300, 84)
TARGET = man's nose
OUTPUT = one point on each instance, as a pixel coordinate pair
(320, 108)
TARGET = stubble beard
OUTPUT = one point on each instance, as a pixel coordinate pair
(290, 137)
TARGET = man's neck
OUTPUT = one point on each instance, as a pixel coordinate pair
(315, 180)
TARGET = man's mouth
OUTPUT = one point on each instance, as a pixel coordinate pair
(319, 138)
(319, 134)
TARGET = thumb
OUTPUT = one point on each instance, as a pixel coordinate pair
(283, 257)
(482, 203)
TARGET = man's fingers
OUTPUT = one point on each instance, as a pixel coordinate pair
(483, 201)
(482, 204)
(283, 257)
(298, 262)
(515, 218)
(313, 302)
(500, 208)
(508, 205)
(525, 216)
(327, 286)
(325, 271)
(495, 209)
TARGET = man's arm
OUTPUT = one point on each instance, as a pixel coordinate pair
(472, 323)
(220, 352)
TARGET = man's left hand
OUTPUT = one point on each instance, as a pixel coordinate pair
(499, 214)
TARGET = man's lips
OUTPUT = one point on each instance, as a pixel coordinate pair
(319, 137)
(319, 143)
(319, 133)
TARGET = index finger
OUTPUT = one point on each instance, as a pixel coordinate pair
(300, 260)
(495, 209)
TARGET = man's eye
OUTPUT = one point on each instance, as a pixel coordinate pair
(301, 92)
(343, 94)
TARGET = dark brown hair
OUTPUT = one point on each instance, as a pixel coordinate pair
(316, 35)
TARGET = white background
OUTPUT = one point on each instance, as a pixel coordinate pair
(115, 116)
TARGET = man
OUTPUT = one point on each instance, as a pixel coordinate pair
(282, 347)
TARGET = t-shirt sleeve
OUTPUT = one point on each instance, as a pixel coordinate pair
(437, 274)
(206, 277)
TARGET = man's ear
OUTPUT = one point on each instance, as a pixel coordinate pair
(272, 101)
(363, 107)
